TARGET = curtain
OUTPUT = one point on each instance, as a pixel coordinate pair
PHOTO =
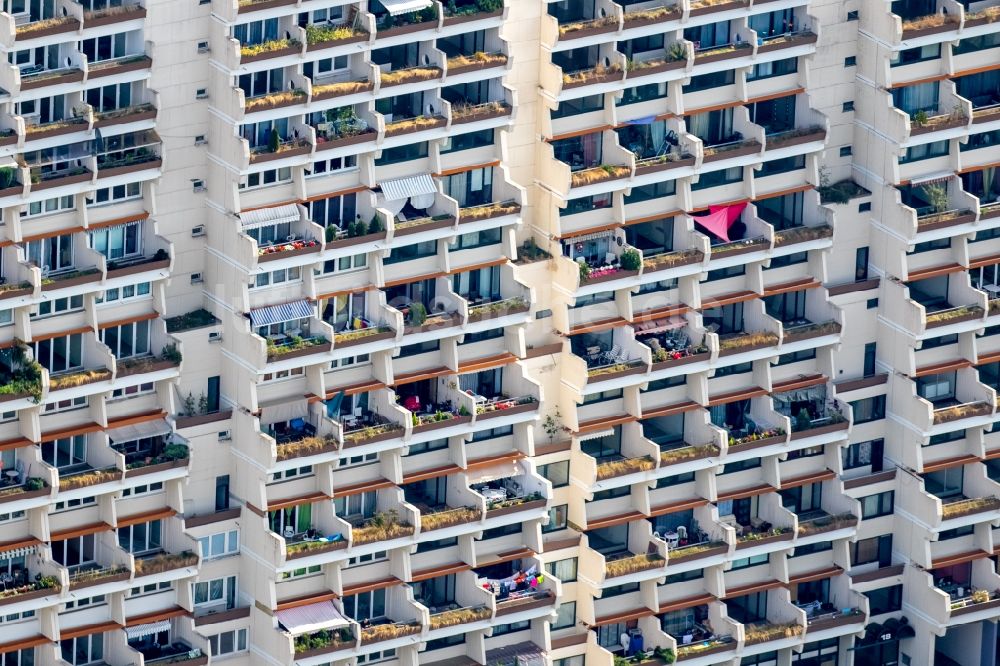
(304, 521)
(656, 133)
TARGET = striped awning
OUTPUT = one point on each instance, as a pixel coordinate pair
(275, 314)
(404, 188)
(938, 177)
(263, 217)
(660, 325)
(17, 552)
(587, 237)
(136, 431)
(141, 630)
(313, 617)
(397, 7)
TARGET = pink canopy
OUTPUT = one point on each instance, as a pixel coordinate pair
(720, 219)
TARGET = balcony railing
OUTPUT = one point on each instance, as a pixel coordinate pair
(705, 646)
(964, 411)
(457, 616)
(161, 562)
(614, 468)
(762, 632)
(978, 600)
(968, 506)
(288, 348)
(687, 453)
(436, 520)
(826, 523)
(598, 174)
(322, 641)
(383, 526)
(743, 342)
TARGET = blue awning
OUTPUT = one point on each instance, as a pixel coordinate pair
(275, 314)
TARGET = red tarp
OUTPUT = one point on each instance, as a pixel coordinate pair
(720, 219)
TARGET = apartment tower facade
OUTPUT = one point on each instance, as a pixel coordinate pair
(499, 332)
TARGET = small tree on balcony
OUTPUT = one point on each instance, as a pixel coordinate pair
(937, 196)
(272, 141)
(630, 260)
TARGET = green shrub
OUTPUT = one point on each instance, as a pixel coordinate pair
(630, 260)
(418, 314)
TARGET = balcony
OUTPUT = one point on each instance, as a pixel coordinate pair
(113, 13)
(739, 343)
(442, 516)
(960, 507)
(921, 26)
(387, 630)
(764, 632)
(323, 642)
(383, 526)
(25, 587)
(628, 564)
(820, 522)
(149, 565)
(129, 153)
(296, 346)
(704, 642)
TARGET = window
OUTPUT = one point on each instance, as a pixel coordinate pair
(850, 61)
(766, 70)
(65, 452)
(83, 649)
(868, 409)
(128, 292)
(51, 254)
(870, 356)
(107, 47)
(885, 600)
(925, 151)
(876, 549)
(109, 195)
(228, 642)
(215, 592)
(863, 454)
(557, 473)
(746, 562)
(468, 141)
(564, 570)
(141, 537)
(259, 179)
(865, 207)
(127, 340)
(59, 305)
(278, 277)
(129, 391)
(874, 506)
(66, 405)
(557, 518)
(365, 605)
(565, 615)
(845, 151)
(152, 588)
(847, 106)
(501, 629)
(48, 206)
(143, 489)
(219, 544)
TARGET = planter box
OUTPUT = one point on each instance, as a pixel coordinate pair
(399, 632)
(442, 322)
(263, 4)
(588, 32)
(27, 494)
(722, 55)
(61, 181)
(405, 29)
(821, 430)
(120, 68)
(975, 314)
(981, 20)
(428, 226)
(694, 358)
(438, 425)
(298, 353)
(374, 337)
(399, 131)
(116, 578)
(474, 67)
(264, 104)
(748, 149)
(638, 23)
(333, 647)
(325, 548)
(795, 336)
(695, 258)
(974, 608)
(369, 135)
(637, 370)
(215, 617)
(44, 132)
(756, 246)
(950, 222)
(8, 140)
(748, 348)
(786, 536)
(138, 268)
(72, 25)
(468, 18)
(381, 437)
(201, 419)
(516, 409)
(711, 9)
(481, 114)
(756, 444)
(913, 33)
(73, 281)
(917, 130)
(617, 275)
(33, 83)
(156, 366)
(159, 467)
(14, 293)
(329, 44)
(715, 649)
(148, 114)
(257, 158)
(794, 141)
(357, 240)
(665, 66)
(506, 510)
(518, 605)
(131, 15)
(838, 621)
(328, 94)
(984, 214)
(277, 53)
(796, 40)
(487, 314)
(284, 254)
(673, 558)
(641, 169)
(129, 168)
(985, 115)
(592, 80)
(299, 454)
(34, 594)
